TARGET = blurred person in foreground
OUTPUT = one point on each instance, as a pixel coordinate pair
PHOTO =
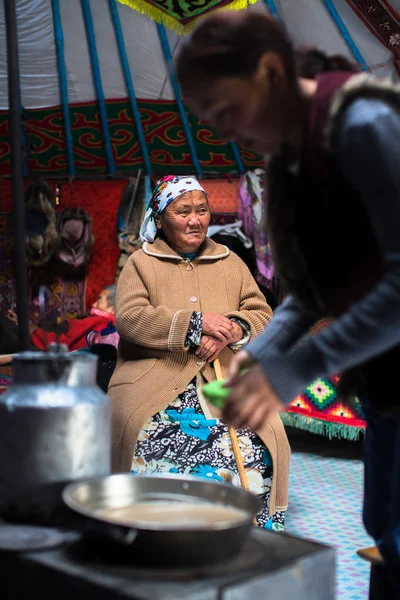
(333, 219)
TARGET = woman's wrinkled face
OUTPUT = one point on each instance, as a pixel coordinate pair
(246, 110)
(185, 222)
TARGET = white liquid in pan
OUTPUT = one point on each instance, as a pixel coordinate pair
(173, 515)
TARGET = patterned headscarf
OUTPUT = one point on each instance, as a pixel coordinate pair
(167, 189)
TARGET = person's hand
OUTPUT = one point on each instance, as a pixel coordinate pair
(219, 327)
(241, 360)
(237, 333)
(252, 399)
(209, 348)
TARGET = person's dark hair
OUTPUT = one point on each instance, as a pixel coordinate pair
(311, 61)
(111, 289)
(229, 45)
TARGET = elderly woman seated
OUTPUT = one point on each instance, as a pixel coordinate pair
(182, 301)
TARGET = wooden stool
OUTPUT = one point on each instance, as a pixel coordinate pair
(380, 587)
(371, 555)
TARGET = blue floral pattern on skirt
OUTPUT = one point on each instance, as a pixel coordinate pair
(180, 439)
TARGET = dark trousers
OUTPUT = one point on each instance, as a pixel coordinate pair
(382, 495)
(8, 336)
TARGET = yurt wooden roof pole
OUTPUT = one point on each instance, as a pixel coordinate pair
(23, 139)
(63, 82)
(330, 7)
(270, 4)
(181, 108)
(170, 66)
(129, 84)
(94, 59)
(18, 208)
(238, 158)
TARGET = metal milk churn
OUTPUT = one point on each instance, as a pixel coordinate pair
(55, 427)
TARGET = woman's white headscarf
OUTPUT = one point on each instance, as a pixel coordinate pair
(167, 189)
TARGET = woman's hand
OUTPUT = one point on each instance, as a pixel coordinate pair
(219, 327)
(252, 399)
(237, 333)
(209, 348)
(241, 360)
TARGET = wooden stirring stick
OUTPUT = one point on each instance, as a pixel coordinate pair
(234, 441)
(233, 436)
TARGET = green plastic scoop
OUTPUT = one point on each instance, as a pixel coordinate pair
(215, 393)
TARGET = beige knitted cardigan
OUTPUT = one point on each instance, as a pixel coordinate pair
(156, 295)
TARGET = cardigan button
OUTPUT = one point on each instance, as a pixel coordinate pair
(189, 267)
(193, 298)
(200, 363)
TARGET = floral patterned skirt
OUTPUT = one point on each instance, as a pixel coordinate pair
(180, 439)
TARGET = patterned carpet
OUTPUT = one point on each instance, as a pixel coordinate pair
(325, 505)
(320, 410)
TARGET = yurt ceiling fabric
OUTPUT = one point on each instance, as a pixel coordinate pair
(308, 21)
(136, 82)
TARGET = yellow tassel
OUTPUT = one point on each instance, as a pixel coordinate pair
(158, 15)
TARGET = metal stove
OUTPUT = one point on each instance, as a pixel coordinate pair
(271, 566)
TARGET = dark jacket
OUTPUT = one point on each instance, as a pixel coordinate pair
(324, 245)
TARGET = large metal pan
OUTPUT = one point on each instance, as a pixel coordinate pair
(157, 544)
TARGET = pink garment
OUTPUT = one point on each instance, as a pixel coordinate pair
(107, 335)
(252, 215)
